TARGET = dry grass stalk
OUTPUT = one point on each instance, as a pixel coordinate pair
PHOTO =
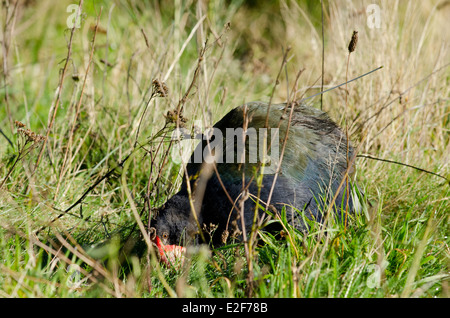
(27, 141)
(351, 49)
(52, 115)
(8, 31)
(77, 111)
(423, 114)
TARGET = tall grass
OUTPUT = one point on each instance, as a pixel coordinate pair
(109, 108)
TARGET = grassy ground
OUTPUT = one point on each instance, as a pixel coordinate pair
(89, 91)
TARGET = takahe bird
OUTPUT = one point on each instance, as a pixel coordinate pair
(312, 167)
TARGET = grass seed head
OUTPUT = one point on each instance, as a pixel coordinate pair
(173, 116)
(160, 89)
(27, 133)
(353, 42)
(19, 124)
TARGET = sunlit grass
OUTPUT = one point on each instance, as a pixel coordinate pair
(397, 247)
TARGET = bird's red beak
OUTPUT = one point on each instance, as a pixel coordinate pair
(171, 255)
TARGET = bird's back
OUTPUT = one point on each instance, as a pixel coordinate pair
(310, 166)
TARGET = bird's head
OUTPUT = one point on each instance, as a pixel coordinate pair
(173, 223)
(173, 228)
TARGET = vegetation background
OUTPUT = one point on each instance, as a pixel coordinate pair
(87, 87)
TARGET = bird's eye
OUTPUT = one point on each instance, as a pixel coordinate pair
(165, 236)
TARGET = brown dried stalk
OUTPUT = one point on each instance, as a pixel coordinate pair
(159, 89)
(323, 55)
(351, 49)
(77, 111)
(8, 28)
(59, 89)
(27, 141)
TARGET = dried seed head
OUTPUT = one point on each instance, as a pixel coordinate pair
(75, 77)
(225, 235)
(353, 42)
(172, 116)
(19, 124)
(160, 88)
(27, 133)
(40, 138)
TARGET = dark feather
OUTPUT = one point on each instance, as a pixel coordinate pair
(314, 163)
